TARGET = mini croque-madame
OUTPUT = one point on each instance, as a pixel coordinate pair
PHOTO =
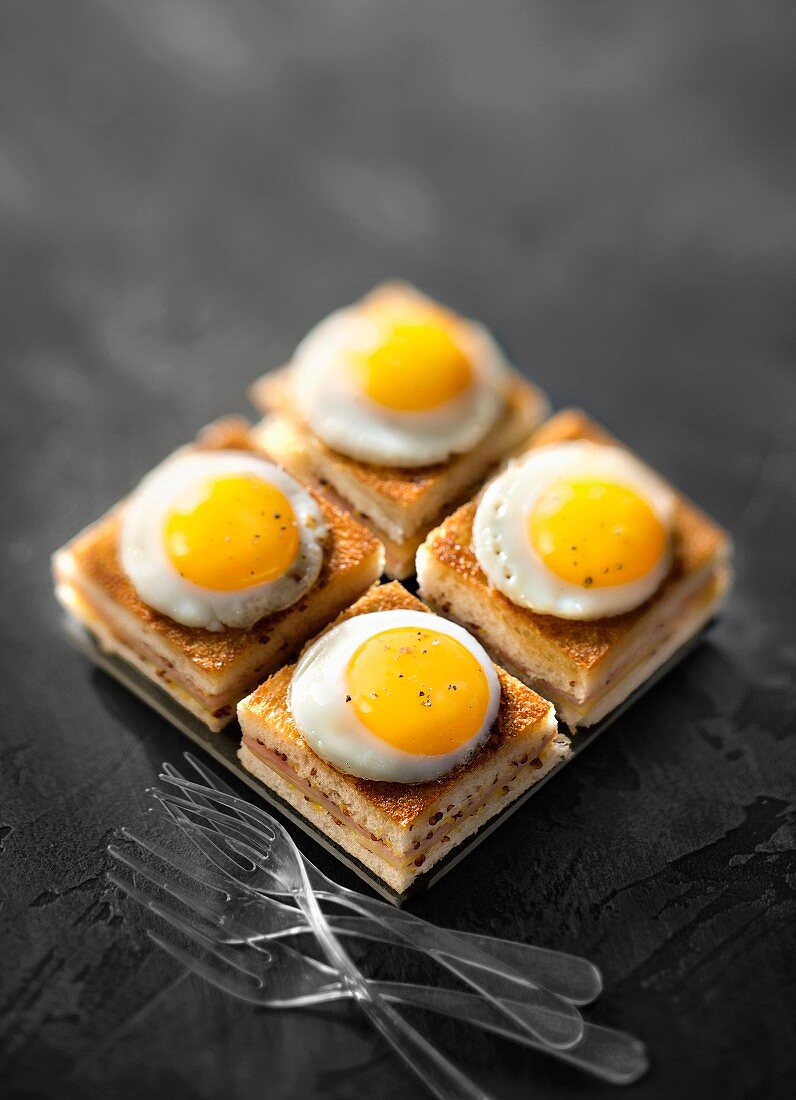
(578, 568)
(214, 571)
(396, 735)
(396, 409)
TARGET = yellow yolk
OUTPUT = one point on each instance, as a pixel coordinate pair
(596, 534)
(416, 367)
(418, 690)
(232, 533)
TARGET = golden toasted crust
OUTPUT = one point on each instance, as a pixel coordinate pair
(697, 541)
(96, 557)
(520, 710)
(404, 487)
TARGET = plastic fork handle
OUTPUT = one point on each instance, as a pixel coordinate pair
(570, 976)
(546, 1016)
(440, 1076)
(613, 1056)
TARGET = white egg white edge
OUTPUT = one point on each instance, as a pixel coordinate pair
(350, 423)
(144, 559)
(512, 565)
(330, 725)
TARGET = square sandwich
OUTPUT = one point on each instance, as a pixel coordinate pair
(396, 409)
(396, 735)
(579, 568)
(214, 571)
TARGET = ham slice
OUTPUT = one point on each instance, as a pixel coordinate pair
(369, 840)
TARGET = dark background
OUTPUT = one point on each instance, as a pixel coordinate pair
(185, 187)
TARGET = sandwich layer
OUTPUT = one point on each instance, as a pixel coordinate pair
(585, 667)
(399, 830)
(207, 671)
(442, 836)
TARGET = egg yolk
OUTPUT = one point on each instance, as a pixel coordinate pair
(595, 533)
(414, 368)
(418, 690)
(232, 533)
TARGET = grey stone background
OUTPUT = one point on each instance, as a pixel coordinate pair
(185, 187)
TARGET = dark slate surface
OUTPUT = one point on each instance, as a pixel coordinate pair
(185, 186)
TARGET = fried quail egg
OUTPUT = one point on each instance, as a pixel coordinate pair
(402, 696)
(220, 539)
(577, 530)
(399, 381)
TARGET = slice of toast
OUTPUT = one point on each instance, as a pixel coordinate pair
(585, 668)
(207, 672)
(399, 830)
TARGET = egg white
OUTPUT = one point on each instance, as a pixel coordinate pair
(330, 725)
(349, 422)
(511, 563)
(145, 560)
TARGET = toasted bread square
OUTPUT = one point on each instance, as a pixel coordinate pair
(586, 668)
(401, 504)
(206, 671)
(399, 830)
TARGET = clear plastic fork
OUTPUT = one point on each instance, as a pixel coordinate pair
(274, 975)
(441, 1077)
(567, 975)
(570, 976)
(255, 851)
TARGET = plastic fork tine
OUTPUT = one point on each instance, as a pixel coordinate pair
(230, 828)
(242, 990)
(207, 841)
(133, 892)
(226, 826)
(195, 798)
(173, 773)
(232, 889)
(223, 834)
(210, 974)
(264, 821)
(207, 776)
(191, 870)
(206, 907)
(215, 944)
(238, 809)
(211, 940)
(212, 813)
(201, 837)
